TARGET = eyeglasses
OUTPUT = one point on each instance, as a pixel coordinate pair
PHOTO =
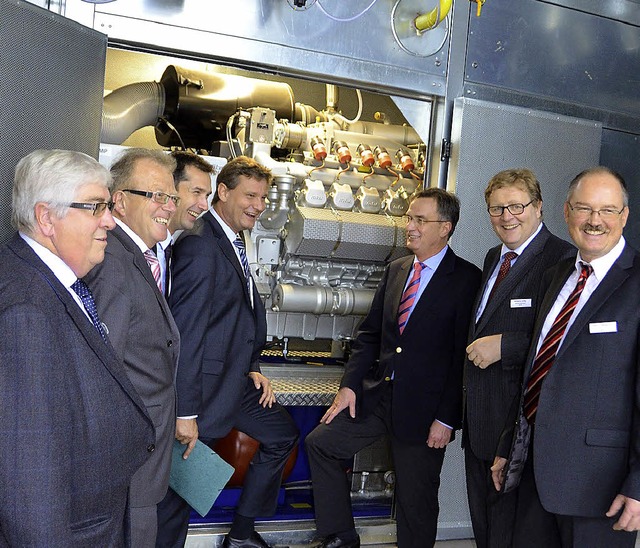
(157, 196)
(420, 221)
(514, 209)
(585, 212)
(98, 208)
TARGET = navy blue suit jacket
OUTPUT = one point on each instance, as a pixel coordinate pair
(73, 430)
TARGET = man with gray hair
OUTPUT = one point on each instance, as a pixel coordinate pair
(73, 430)
(128, 290)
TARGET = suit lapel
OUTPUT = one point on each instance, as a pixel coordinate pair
(105, 352)
(141, 264)
(616, 276)
(396, 288)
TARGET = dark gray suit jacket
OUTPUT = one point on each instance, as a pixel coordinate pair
(146, 338)
(426, 359)
(587, 433)
(72, 428)
(489, 393)
(210, 301)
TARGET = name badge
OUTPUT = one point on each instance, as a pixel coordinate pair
(603, 327)
(520, 303)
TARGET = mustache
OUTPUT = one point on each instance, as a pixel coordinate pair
(589, 226)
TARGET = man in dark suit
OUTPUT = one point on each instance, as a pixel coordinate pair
(222, 320)
(72, 428)
(580, 484)
(130, 302)
(499, 338)
(404, 379)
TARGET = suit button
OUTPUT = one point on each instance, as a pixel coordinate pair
(169, 343)
(151, 448)
(388, 379)
(399, 350)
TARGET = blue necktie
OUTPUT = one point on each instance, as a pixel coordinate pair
(83, 291)
(243, 259)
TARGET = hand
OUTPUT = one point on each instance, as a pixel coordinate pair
(484, 351)
(344, 398)
(629, 520)
(187, 434)
(260, 381)
(497, 472)
(439, 435)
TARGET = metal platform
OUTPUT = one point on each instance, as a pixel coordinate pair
(304, 385)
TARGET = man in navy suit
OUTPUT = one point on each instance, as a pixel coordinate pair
(403, 379)
(73, 430)
(222, 321)
(580, 403)
(499, 338)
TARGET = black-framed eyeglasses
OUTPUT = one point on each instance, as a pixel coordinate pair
(584, 212)
(98, 208)
(157, 196)
(420, 221)
(514, 209)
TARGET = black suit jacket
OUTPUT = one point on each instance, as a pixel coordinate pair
(489, 393)
(587, 434)
(210, 302)
(146, 339)
(426, 359)
(72, 428)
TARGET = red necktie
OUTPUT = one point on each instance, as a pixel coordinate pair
(547, 353)
(503, 271)
(154, 265)
(409, 296)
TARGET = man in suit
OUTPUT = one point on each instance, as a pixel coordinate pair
(127, 286)
(580, 484)
(403, 379)
(499, 338)
(72, 428)
(219, 312)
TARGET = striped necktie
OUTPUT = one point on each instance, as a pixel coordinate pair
(503, 271)
(82, 290)
(243, 259)
(547, 353)
(409, 296)
(154, 265)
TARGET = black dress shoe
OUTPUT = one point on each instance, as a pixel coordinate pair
(334, 541)
(254, 541)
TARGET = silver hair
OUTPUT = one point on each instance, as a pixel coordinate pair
(52, 177)
(123, 168)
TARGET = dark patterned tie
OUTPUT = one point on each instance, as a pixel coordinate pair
(503, 271)
(83, 291)
(154, 265)
(547, 353)
(243, 259)
(167, 261)
(409, 296)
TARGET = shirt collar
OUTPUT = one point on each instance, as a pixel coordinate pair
(603, 264)
(60, 269)
(225, 227)
(136, 239)
(520, 250)
(434, 261)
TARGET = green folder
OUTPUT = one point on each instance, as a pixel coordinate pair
(200, 478)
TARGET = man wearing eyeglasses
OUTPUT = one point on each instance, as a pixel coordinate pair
(579, 408)
(499, 338)
(73, 430)
(128, 287)
(403, 380)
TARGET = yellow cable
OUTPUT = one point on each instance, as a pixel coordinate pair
(430, 20)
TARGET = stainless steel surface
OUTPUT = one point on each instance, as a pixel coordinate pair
(488, 138)
(310, 385)
(261, 33)
(627, 11)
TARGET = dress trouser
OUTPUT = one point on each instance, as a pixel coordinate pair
(492, 513)
(277, 433)
(535, 527)
(417, 470)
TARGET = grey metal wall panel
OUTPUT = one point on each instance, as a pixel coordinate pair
(620, 151)
(50, 92)
(487, 138)
(547, 50)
